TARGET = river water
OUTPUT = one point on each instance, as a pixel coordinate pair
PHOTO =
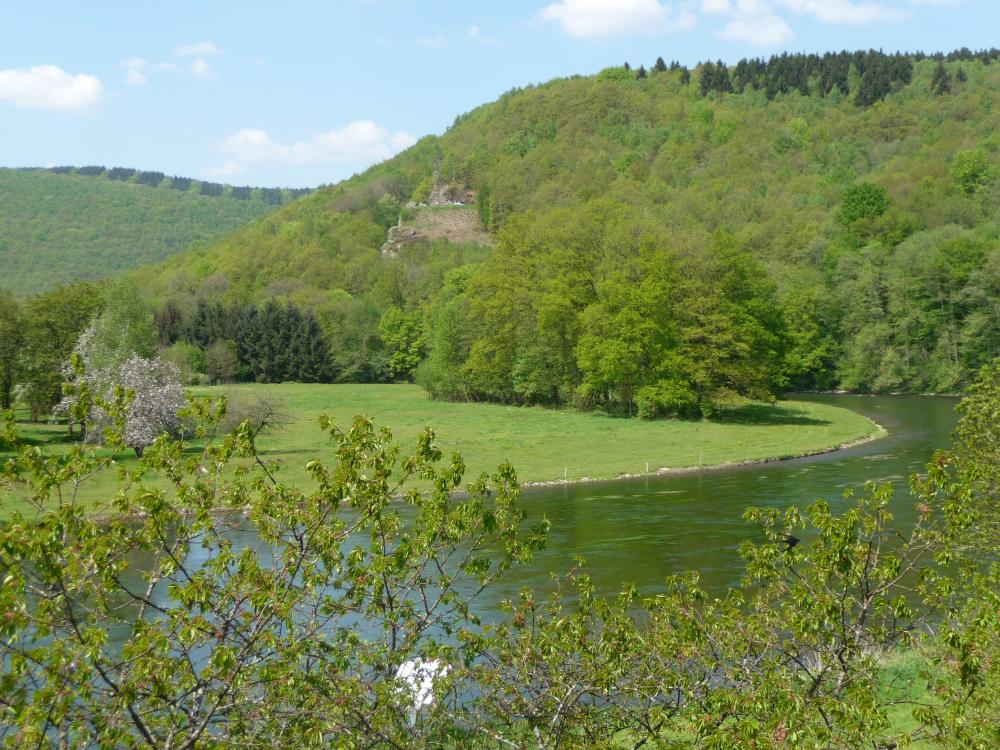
(641, 530)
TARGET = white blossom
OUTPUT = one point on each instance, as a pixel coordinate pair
(159, 396)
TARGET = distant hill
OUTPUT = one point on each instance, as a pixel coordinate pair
(67, 224)
(837, 215)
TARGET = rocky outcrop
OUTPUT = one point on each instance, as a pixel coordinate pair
(451, 195)
(397, 238)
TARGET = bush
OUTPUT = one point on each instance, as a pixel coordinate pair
(668, 398)
(862, 201)
(189, 360)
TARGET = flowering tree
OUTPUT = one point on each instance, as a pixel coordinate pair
(157, 398)
(153, 392)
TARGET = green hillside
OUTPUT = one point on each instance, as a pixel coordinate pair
(68, 224)
(662, 242)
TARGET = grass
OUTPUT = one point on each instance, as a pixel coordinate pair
(542, 444)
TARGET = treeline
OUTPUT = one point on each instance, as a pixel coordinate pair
(60, 228)
(37, 337)
(271, 196)
(876, 73)
(601, 307)
(270, 343)
(219, 343)
(658, 252)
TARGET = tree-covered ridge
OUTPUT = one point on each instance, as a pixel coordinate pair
(272, 196)
(875, 73)
(838, 215)
(64, 225)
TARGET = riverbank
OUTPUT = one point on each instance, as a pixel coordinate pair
(545, 446)
(668, 471)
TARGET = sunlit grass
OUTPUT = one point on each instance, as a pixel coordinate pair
(542, 444)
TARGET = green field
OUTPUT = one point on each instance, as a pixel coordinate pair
(542, 444)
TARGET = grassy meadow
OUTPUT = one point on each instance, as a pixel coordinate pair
(542, 444)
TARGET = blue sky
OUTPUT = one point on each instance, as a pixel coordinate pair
(302, 93)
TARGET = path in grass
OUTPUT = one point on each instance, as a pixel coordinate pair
(542, 444)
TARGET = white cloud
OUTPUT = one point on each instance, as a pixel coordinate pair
(476, 35)
(134, 71)
(762, 22)
(761, 30)
(432, 41)
(609, 18)
(361, 142)
(49, 87)
(842, 11)
(714, 7)
(199, 49)
(201, 69)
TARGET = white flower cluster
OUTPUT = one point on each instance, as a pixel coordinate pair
(159, 396)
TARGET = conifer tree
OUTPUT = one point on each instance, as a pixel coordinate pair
(706, 78)
(660, 66)
(941, 80)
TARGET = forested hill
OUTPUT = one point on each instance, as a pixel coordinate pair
(64, 223)
(666, 239)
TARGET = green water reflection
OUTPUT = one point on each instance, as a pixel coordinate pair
(640, 531)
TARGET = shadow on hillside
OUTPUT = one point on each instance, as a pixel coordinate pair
(767, 415)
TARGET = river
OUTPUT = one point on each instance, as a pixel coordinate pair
(641, 530)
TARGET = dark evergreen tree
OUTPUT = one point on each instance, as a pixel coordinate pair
(169, 323)
(181, 183)
(272, 196)
(875, 84)
(685, 76)
(660, 66)
(120, 173)
(723, 84)
(213, 189)
(641, 73)
(150, 178)
(960, 76)
(706, 78)
(941, 80)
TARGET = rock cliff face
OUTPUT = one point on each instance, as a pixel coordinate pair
(424, 224)
(397, 238)
(450, 195)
